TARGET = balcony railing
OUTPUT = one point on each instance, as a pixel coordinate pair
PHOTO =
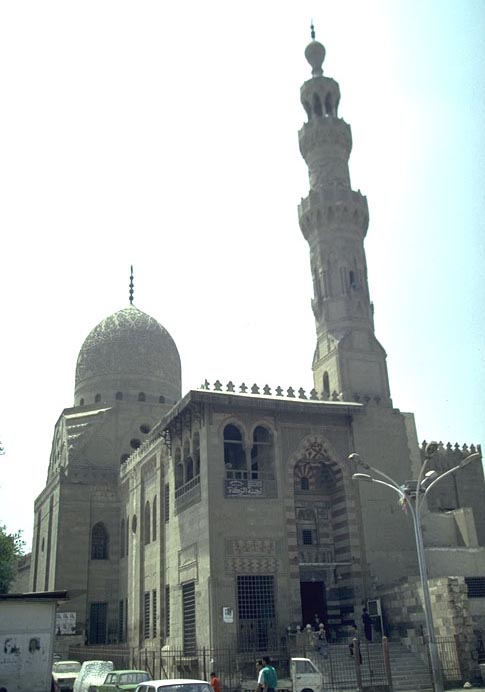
(249, 484)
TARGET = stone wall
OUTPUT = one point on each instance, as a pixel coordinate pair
(403, 613)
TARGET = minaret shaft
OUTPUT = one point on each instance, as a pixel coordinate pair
(334, 219)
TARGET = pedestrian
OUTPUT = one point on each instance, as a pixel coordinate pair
(322, 642)
(354, 636)
(367, 622)
(259, 672)
(269, 675)
(215, 682)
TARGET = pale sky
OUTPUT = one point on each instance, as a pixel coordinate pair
(164, 135)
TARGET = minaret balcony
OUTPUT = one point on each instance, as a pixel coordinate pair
(333, 208)
(325, 134)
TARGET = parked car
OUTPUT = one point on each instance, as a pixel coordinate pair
(64, 674)
(92, 674)
(123, 680)
(175, 685)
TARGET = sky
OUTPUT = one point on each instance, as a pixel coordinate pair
(164, 135)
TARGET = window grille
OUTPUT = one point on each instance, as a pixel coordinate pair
(167, 502)
(126, 619)
(256, 610)
(167, 611)
(121, 621)
(154, 613)
(97, 623)
(255, 597)
(99, 542)
(476, 587)
(188, 618)
(146, 615)
(307, 536)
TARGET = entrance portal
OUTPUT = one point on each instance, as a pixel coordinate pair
(313, 602)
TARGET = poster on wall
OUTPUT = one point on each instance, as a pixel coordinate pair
(228, 615)
(24, 660)
(66, 623)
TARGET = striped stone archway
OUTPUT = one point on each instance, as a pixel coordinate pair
(317, 449)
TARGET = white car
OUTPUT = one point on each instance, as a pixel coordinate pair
(175, 685)
(92, 674)
(64, 674)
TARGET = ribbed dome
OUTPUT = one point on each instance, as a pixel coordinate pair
(128, 352)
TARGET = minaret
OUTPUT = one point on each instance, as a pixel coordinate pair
(334, 219)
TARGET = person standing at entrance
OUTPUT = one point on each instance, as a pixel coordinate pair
(367, 622)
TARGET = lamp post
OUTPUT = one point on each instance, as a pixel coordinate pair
(412, 495)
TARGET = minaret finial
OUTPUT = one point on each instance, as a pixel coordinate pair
(312, 31)
(131, 286)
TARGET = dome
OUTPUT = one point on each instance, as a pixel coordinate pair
(128, 352)
(315, 54)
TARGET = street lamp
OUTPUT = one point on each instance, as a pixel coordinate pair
(412, 494)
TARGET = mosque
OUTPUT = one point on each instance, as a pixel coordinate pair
(227, 515)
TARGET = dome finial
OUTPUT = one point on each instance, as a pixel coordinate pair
(315, 54)
(131, 286)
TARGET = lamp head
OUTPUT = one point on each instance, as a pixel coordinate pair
(467, 460)
(430, 449)
(357, 459)
(362, 477)
(430, 474)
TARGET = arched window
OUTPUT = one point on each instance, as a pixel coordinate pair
(141, 396)
(97, 398)
(186, 449)
(179, 476)
(99, 542)
(81, 402)
(196, 453)
(189, 469)
(317, 105)
(146, 522)
(234, 454)
(119, 396)
(304, 483)
(188, 462)
(122, 538)
(326, 384)
(261, 451)
(161, 399)
(178, 468)
(154, 519)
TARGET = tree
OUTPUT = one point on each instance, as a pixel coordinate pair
(11, 546)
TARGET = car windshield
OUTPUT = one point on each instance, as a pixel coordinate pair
(186, 687)
(73, 667)
(130, 678)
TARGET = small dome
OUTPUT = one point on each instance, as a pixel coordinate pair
(315, 55)
(128, 352)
